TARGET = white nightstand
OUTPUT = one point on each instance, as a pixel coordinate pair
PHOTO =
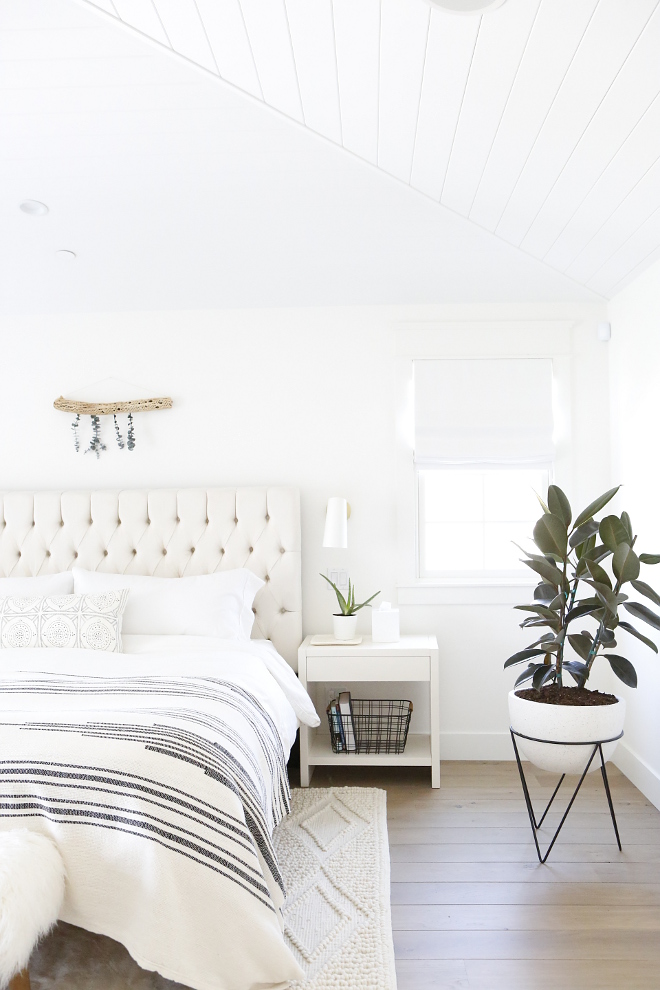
(413, 658)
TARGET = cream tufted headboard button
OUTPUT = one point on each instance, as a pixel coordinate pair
(48, 553)
(105, 553)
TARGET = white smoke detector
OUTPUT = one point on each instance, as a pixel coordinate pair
(33, 208)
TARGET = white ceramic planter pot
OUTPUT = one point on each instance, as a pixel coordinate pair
(344, 626)
(564, 722)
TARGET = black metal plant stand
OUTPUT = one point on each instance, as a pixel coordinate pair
(597, 748)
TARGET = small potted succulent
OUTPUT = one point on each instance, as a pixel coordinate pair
(344, 622)
(575, 585)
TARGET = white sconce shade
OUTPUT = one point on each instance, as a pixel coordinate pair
(335, 533)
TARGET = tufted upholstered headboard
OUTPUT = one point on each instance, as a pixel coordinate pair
(166, 533)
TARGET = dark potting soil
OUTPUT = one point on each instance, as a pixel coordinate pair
(554, 695)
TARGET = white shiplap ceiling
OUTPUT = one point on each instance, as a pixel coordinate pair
(538, 122)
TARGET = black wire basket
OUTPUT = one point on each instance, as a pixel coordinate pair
(372, 727)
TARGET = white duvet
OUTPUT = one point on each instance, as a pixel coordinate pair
(160, 774)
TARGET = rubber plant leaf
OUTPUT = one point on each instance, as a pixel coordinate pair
(581, 644)
(578, 670)
(606, 595)
(595, 506)
(550, 535)
(642, 612)
(612, 532)
(585, 607)
(544, 593)
(545, 673)
(581, 535)
(559, 504)
(646, 590)
(543, 610)
(542, 503)
(521, 656)
(531, 670)
(638, 635)
(625, 563)
(623, 669)
(650, 558)
(626, 523)
(598, 573)
(548, 571)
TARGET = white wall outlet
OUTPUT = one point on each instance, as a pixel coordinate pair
(332, 694)
(338, 576)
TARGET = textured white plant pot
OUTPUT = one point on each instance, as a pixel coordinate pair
(344, 626)
(564, 722)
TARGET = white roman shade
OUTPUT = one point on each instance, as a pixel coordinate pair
(483, 411)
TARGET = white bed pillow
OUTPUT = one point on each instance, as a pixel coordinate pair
(43, 585)
(218, 605)
(87, 622)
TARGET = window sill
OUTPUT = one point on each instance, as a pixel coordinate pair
(467, 591)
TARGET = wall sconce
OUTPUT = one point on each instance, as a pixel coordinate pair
(335, 534)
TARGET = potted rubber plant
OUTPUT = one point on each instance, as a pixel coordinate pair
(344, 622)
(587, 569)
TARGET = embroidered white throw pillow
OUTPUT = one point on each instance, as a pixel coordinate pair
(84, 622)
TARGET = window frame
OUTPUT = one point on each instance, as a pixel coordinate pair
(471, 339)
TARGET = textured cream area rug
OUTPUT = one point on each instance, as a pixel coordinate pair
(334, 855)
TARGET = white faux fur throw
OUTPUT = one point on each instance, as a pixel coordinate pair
(31, 895)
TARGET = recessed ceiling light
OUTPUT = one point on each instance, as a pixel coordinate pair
(66, 255)
(467, 6)
(34, 208)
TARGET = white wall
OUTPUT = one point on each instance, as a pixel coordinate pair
(635, 397)
(303, 397)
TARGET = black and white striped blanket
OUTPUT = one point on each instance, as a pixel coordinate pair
(160, 776)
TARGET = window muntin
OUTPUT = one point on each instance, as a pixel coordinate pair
(471, 517)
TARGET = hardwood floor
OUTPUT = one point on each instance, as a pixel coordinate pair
(472, 909)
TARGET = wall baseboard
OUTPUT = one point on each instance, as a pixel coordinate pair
(638, 772)
(476, 746)
(497, 746)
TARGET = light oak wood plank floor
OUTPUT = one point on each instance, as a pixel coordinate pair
(472, 909)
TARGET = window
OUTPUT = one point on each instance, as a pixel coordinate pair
(483, 448)
(470, 519)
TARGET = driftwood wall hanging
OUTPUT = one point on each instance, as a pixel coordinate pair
(95, 410)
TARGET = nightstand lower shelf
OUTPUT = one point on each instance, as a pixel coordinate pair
(416, 754)
(368, 665)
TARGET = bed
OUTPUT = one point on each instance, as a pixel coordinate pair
(160, 771)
